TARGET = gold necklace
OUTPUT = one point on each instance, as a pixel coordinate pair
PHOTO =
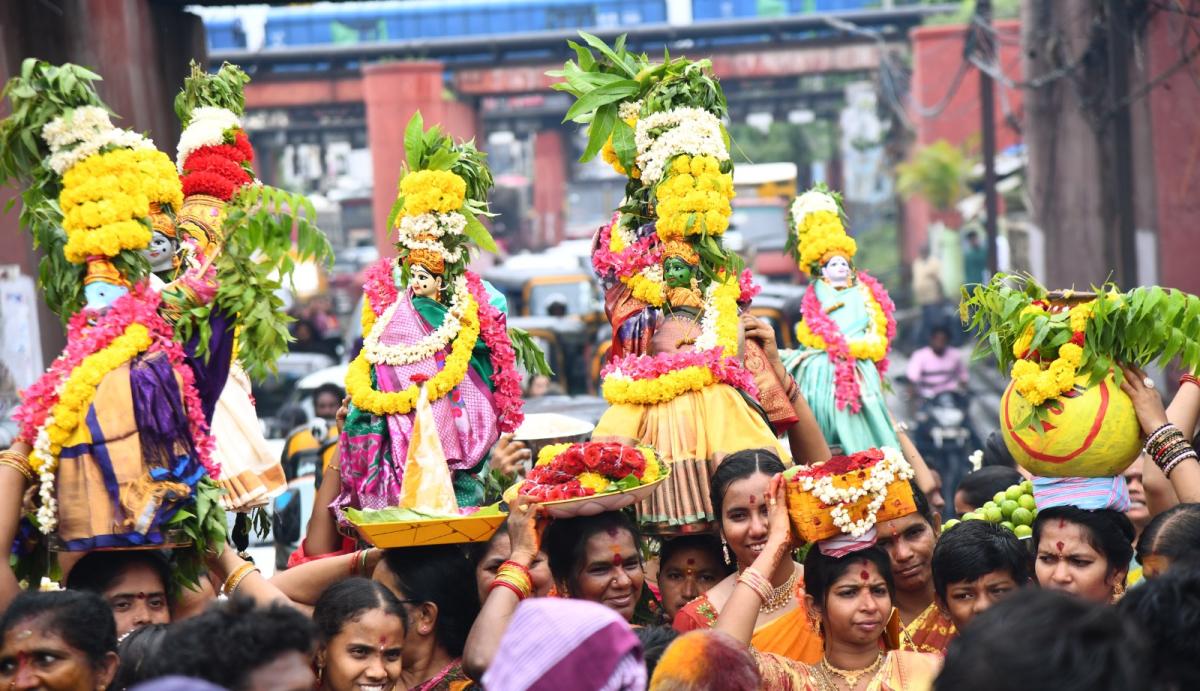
(780, 596)
(851, 676)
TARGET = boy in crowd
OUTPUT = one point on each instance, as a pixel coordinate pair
(975, 565)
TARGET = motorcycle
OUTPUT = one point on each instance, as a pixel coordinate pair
(944, 436)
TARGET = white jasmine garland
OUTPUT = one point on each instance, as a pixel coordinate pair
(890, 469)
(426, 348)
(707, 340)
(88, 132)
(47, 513)
(811, 201)
(450, 255)
(432, 224)
(629, 110)
(692, 131)
(207, 128)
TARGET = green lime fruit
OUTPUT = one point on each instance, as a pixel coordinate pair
(972, 516)
(993, 514)
(1008, 525)
(1022, 517)
(1014, 492)
(1007, 507)
(950, 524)
(1035, 513)
(1023, 531)
(1000, 497)
(1027, 502)
(1027, 487)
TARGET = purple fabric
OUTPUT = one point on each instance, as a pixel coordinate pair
(466, 419)
(1089, 493)
(555, 643)
(158, 409)
(211, 373)
(175, 683)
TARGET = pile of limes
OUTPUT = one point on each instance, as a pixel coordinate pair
(1013, 508)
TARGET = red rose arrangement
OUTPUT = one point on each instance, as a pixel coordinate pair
(569, 471)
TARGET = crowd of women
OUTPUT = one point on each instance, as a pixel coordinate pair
(588, 603)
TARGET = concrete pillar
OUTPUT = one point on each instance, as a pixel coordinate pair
(393, 92)
(549, 188)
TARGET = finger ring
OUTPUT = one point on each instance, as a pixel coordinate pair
(1148, 382)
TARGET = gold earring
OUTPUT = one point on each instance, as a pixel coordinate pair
(725, 551)
(1118, 592)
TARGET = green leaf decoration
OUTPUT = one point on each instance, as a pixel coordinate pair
(414, 141)
(529, 356)
(225, 89)
(478, 234)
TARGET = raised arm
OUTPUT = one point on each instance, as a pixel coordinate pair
(753, 587)
(321, 535)
(524, 528)
(15, 477)
(805, 438)
(1166, 447)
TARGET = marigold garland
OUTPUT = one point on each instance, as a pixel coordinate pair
(820, 235)
(1038, 383)
(819, 332)
(648, 380)
(694, 198)
(366, 397)
(432, 191)
(105, 196)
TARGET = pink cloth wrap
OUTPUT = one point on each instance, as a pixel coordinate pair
(466, 421)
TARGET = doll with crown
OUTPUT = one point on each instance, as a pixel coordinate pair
(845, 330)
(690, 372)
(114, 435)
(430, 324)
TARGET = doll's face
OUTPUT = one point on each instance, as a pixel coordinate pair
(160, 253)
(837, 270)
(100, 295)
(677, 273)
(424, 283)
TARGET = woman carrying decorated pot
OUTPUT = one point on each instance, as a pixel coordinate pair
(846, 329)
(847, 578)
(430, 324)
(740, 498)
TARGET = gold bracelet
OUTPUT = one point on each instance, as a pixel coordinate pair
(235, 579)
(27, 473)
(18, 462)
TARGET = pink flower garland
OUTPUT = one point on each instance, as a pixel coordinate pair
(847, 393)
(629, 261)
(750, 289)
(889, 313)
(139, 306)
(727, 370)
(379, 286)
(506, 377)
(846, 390)
(83, 339)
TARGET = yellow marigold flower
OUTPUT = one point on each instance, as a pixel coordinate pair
(1021, 346)
(548, 453)
(1071, 354)
(432, 191)
(653, 468)
(594, 481)
(1079, 315)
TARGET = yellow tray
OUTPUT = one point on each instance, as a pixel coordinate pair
(433, 531)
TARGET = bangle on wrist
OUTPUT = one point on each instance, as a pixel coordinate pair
(235, 579)
(1189, 378)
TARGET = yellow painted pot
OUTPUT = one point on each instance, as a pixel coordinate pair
(201, 217)
(1091, 432)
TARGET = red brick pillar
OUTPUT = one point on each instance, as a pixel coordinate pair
(393, 92)
(549, 188)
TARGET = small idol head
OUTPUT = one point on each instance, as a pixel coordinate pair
(160, 252)
(424, 282)
(837, 270)
(101, 294)
(677, 273)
